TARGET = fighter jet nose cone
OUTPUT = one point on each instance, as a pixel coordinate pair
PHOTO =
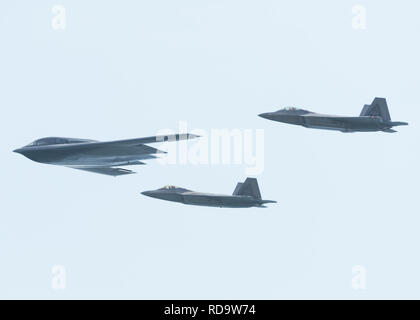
(146, 193)
(19, 150)
(265, 115)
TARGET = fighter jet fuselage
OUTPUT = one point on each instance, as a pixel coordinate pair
(374, 117)
(206, 199)
(246, 195)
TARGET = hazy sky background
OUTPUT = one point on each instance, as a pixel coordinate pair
(125, 69)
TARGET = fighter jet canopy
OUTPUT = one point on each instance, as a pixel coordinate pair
(173, 189)
(293, 111)
(56, 140)
(169, 187)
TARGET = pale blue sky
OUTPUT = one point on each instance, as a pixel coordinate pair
(124, 69)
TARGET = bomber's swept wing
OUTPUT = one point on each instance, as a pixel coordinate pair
(110, 171)
(153, 139)
(389, 130)
(129, 146)
(121, 147)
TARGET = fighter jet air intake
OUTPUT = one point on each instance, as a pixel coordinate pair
(374, 117)
(246, 195)
(95, 156)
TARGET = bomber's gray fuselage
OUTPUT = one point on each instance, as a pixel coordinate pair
(96, 156)
(83, 154)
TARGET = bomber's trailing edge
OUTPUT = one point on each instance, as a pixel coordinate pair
(246, 195)
(95, 156)
(374, 117)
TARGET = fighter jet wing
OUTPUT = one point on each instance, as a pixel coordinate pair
(340, 118)
(110, 171)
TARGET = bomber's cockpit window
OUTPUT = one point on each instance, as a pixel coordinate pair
(290, 109)
(48, 141)
(56, 140)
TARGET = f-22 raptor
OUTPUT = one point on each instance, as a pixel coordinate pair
(246, 195)
(374, 117)
(96, 156)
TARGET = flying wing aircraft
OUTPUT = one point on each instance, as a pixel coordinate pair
(95, 156)
(374, 117)
(246, 195)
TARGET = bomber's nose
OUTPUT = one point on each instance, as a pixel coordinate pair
(18, 150)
